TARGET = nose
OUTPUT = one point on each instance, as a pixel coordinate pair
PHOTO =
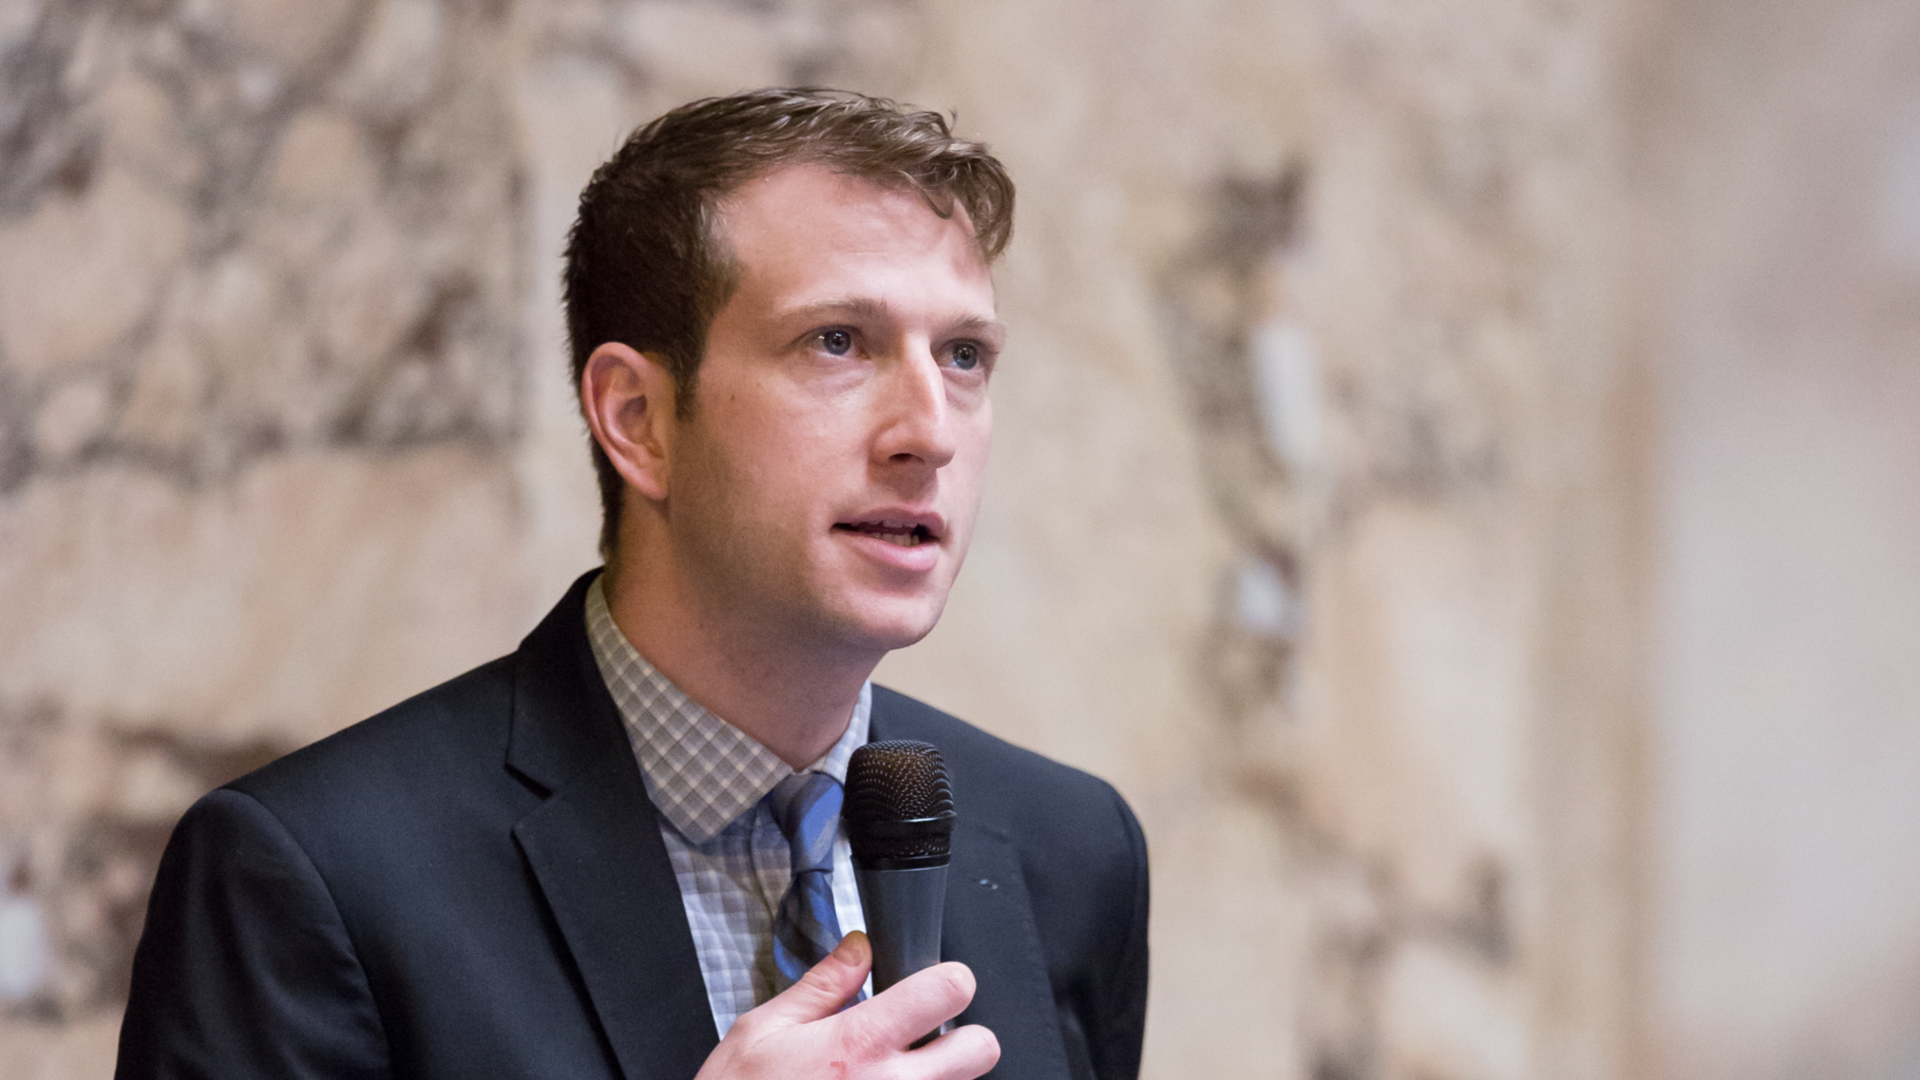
(917, 421)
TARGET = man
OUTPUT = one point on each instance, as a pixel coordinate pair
(585, 859)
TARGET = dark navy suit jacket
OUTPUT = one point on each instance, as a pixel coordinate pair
(473, 884)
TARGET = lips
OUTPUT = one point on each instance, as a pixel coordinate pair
(901, 530)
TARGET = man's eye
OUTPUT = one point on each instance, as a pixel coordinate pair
(966, 356)
(837, 342)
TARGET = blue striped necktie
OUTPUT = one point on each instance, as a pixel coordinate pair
(807, 808)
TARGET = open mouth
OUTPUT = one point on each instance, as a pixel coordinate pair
(901, 533)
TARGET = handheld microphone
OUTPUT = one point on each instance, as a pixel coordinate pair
(899, 816)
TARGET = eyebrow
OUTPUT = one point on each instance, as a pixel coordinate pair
(986, 327)
(868, 308)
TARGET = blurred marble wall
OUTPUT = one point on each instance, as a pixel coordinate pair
(1780, 164)
(1354, 467)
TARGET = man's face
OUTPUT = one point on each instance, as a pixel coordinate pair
(828, 480)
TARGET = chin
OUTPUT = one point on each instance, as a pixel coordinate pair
(887, 627)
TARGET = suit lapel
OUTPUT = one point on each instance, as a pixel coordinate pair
(594, 846)
(989, 926)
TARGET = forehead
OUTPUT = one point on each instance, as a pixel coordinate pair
(805, 229)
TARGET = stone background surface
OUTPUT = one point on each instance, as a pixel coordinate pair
(1457, 474)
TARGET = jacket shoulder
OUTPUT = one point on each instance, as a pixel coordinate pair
(422, 745)
(1013, 787)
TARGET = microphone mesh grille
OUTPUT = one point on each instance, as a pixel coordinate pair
(896, 780)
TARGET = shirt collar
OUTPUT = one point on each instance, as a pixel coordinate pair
(702, 772)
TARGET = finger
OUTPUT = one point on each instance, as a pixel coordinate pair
(960, 1054)
(825, 987)
(913, 1006)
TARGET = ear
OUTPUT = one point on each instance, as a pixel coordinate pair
(628, 399)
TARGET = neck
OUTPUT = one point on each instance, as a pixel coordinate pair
(795, 701)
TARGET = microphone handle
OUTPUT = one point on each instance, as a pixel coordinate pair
(904, 909)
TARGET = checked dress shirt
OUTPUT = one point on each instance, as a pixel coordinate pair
(709, 780)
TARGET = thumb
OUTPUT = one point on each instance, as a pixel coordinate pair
(826, 986)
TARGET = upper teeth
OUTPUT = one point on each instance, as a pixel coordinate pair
(903, 533)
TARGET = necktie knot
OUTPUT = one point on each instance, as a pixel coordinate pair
(806, 806)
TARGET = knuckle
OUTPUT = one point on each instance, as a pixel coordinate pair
(814, 980)
(746, 1027)
(955, 980)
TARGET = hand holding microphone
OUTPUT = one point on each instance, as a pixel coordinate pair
(807, 1033)
(898, 815)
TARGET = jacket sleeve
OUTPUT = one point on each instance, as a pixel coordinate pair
(245, 967)
(1114, 1045)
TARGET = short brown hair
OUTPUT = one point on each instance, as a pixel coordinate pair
(644, 265)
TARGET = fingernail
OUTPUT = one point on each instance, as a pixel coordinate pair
(854, 947)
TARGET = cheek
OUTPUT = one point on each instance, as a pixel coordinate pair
(810, 455)
(786, 473)
(761, 446)
(976, 447)
(966, 483)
